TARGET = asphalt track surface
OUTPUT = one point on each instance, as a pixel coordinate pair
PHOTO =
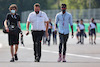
(77, 55)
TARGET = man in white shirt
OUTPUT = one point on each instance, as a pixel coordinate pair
(39, 21)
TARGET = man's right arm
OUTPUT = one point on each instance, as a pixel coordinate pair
(56, 21)
(27, 27)
(28, 23)
(6, 26)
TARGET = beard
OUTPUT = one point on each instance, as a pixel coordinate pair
(36, 12)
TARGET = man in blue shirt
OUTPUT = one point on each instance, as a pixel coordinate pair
(63, 19)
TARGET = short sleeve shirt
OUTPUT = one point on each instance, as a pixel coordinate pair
(37, 20)
(12, 19)
(92, 25)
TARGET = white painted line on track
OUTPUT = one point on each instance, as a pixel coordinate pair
(0, 45)
(70, 54)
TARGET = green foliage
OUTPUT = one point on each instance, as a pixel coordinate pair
(24, 5)
(81, 4)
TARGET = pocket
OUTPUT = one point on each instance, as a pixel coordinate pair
(41, 19)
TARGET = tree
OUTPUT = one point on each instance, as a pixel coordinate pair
(81, 4)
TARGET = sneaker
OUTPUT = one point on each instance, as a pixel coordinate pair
(12, 60)
(16, 58)
(94, 42)
(59, 59)
(64, 60)
(37, 59)
(78, 42)
(82, 43)
(91, 43)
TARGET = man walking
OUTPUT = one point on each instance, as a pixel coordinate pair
(63, 19)
(39, 21)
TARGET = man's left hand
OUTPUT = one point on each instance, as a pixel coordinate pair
(72, 34)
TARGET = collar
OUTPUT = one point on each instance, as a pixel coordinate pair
(64, 13)
(37, 14)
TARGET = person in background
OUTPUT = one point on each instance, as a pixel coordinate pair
(49, 32)
(78, 33)
(89, 35)
(92, 30)
(12, 26)
(81, 30)
(54, 31)
(63, 19)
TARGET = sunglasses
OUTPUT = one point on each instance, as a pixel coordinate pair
(63, 7)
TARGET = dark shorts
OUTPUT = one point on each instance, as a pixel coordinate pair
(49, 32)
(78, 34)
(92, 32)
(82, 33)
(89, 34)
(13, 39)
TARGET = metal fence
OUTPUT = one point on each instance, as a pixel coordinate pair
(85, 14)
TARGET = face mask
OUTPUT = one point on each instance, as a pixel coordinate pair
(63, 10)
(36, 12)
(12, 11)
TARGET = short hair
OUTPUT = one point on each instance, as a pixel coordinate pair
(92, 18)
(81, 19)
(63, 5)
(77, 21)
(13, 6)
(37, 5)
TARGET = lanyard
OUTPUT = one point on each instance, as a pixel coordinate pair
(13, 16)
(63, 17)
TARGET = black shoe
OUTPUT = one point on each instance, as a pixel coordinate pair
(91, 43)
(78, 42)
(82, 43)
(37, 59)
(16, 58)
(12, 60)
(94, 42)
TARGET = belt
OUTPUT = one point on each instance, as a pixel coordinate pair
(37, 30)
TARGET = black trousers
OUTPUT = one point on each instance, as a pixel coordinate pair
(55, 37)
(82, 36)
(49, 37)
(37, 37)
(63, 40)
